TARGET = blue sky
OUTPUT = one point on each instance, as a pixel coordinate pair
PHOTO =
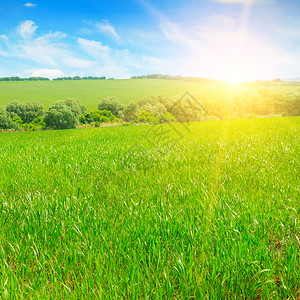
(221, 39)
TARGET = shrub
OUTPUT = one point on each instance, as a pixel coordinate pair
(27, 112)
(17, 119)
(32, 111)
(15, 108)
(60, 116)
(146, 117)
(39, 122)
(113, 105)
(85, 119)
(6, 122)
(167, 118)
(131, 112)
(102, 116)
(29, 127)
(75, 106)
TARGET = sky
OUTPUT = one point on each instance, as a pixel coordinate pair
(219, 39)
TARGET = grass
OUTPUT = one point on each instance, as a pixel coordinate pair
(117, 213)
(91, 92)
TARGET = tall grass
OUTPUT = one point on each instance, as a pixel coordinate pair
(102, 213)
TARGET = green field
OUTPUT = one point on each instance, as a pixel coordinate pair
(112, 213)
(90, 93)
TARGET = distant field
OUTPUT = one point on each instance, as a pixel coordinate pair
(114, 213)
(91, 92)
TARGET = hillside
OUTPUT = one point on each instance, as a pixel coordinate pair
(90, 92)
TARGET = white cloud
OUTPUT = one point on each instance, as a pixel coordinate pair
(119, 63)
(221, 47)
(105, 58)
(3, 53)
(27, 28)
(94, 49)
(48, 73)
(47, 53)
(29, 4)
(177, 34)
(105, 27)
(55, 35)
(220, 23)
(212, 48)
(216, 28)
(72, 61)
(217, 32)
(4, 37)
(286, 28)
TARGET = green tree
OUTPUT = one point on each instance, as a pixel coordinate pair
(293, 105)
(15, 108)
(39, 122)
(27, 112)
(85, 119)
(102, 116)
(112, 104)
(60, 116)
(146, 117)
(31, 111)
(167, 118)
(17, 119)
(131, 112)
(75, 106)
(5, 120)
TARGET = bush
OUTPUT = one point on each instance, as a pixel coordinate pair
(102, 116)
(27, 112)
(131, 112)
(146, 117)
(15, 108)
(6, 122)
(85, 119)
(167, 118)
(39, 122)
(29, 127)
(32, 111)
(17, 119)
(75, 106)
(60, 116)
(113, 105)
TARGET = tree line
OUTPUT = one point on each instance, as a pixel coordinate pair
(177, 77)
(71, 113)
(274, 82)
(80, 78)
(16, 78)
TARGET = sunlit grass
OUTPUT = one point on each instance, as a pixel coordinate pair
(91, 92)
(103, 213)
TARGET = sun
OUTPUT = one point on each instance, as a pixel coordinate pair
(232, 73)
(234, 70)
(233, 77)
